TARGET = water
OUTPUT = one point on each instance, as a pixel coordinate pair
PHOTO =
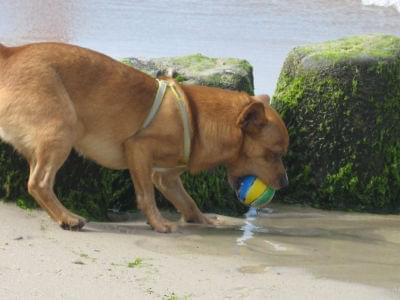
(261, 31)
(354, 247)
(384, 3)
(350, 247)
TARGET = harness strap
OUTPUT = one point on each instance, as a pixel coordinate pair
(185, 120)
(162, 87)
(183, 111)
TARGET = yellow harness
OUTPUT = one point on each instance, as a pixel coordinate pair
(183, 111)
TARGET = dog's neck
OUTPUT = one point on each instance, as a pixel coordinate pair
(216, 136)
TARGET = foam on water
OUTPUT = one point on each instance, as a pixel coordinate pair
(384, 3)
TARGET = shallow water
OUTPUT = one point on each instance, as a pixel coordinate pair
(361, 248)
(261, 31)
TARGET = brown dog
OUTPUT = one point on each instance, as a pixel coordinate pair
(55, 97)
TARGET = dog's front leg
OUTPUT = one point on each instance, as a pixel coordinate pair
(139, 162)
(170, 185)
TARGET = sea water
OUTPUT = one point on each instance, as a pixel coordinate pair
(384, 3)
(258, 30)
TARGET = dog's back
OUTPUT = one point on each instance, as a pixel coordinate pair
(49, 85)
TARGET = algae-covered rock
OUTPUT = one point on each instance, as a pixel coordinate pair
(341, 103)
(228, 73)
(91, 190)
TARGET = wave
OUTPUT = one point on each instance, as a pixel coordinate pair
(385, 3)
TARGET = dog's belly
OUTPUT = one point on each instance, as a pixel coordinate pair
(104, 151)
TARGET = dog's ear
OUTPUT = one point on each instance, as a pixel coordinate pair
(262, 98)
(252, 119)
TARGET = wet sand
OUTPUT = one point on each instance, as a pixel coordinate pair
(289, 253)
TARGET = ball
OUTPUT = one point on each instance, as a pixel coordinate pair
(253, 192)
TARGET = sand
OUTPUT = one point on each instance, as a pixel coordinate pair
(38, 260)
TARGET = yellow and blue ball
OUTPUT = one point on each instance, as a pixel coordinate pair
(253, 192)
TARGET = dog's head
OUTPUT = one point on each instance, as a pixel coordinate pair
(264, 141)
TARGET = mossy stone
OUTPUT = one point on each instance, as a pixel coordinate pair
(228, 73)
(341, 102)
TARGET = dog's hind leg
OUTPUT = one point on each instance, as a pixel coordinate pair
(170, 185)
(39, 119)
(47, 158)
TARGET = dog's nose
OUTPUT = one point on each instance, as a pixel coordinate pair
(284, 181)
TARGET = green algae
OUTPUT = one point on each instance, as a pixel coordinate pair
(228, 73)
(344, 123)
(195, 62)
(356, 47)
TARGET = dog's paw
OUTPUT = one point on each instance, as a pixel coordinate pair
(74, 223)
(214, 221)
(202, 219)
(164, 226)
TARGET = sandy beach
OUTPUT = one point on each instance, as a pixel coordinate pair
(127, 260)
